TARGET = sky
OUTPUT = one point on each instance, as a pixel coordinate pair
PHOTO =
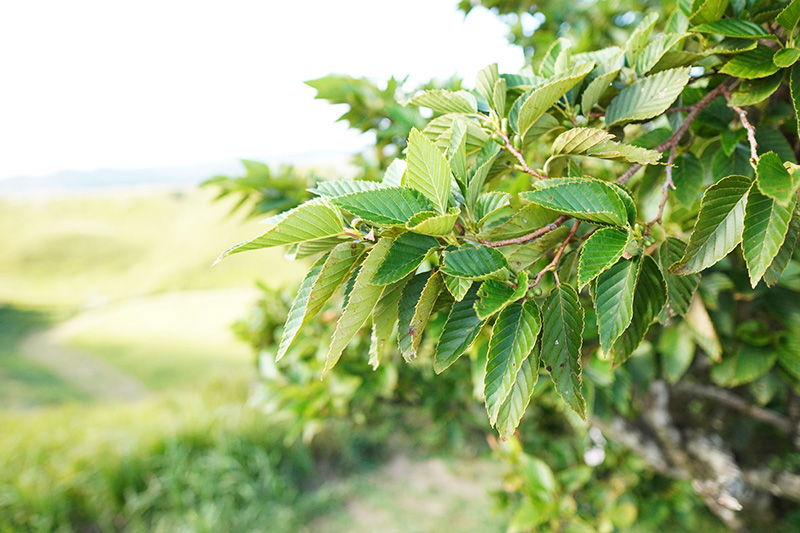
(141, 84)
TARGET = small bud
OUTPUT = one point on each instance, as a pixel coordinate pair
(516, 141)
(496, 137)
(504, 125)
(537, 291)
(581, 121)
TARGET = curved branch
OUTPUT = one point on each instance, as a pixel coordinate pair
(530, 236)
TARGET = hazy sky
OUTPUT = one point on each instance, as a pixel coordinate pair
(89, 84)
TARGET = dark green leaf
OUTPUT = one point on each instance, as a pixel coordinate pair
(613, 300)
(406, 254)
(460, 331)
(388, 206)
(781, 260)
(680, 289)
(474, 262)
(765, 225)
(582, 198)
(602, 250)
(734, 28)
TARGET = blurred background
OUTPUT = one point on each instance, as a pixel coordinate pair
(138, 390)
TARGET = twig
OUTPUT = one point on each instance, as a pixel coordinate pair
(668, 184)
(518, 155)
(733, 401)
(694, 111)
(751, 131)
(556, 258)
(530, 236)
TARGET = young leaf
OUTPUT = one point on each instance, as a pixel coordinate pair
(389, 206)
(428, 171)
(457, 287)
(578, 140)
(393, 177)
(473, 262)
(562, 336)
(765, 225)
(405, 314)
(774, 180)
(542, 98)
(625, 153)
(638, 39)
(460, 331)
(443, 101)
(648, 97)
(739, 28)
(613, 300)
(342, 187)
(513, 407)
(784, 255)
(602, 250)
(431, 223)
(707, 11)
(547, 67)
(457, 153)
(294, 320)
(719, 225)
(583, 198)
(485, 82)
(424, 308)
(596, 89)
(440, 131)
(680, 289)
(404, 256)
(363, 298)
(655, 50)
(753, 64)
(648, 301)
(513, 338)
(314, 219)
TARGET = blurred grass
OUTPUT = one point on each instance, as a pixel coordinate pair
(75, 252)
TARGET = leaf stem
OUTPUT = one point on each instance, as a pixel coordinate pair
(556, 258)
(523, 165)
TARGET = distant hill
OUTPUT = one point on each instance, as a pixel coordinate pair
(80, 181)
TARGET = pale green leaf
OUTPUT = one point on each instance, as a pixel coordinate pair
(384, 319)
(583, 198)
(444, 101)
(315, 219)
(547, 67)
(521, 257)
(428, 171)
(680, 289)
(363, 298)
(294, 320)
(601, 251)
(300, 250)
(440, 131)
(460, 331)
(706, 11)
(477, 179)
(655, 50)
(393, 177)
(485, 81)
(490, 203)
(342, 187)
(405, 255)
(774, 180)
(424, 308)
(457, 287)
(648, 97)
(513, 338)
(649, 299)
(676, 346)
(765, 225)
(499, 97)
(457, 153)
(739, 28)
(388, 206)
(529, 218)
(405, 314)
(474, 262)
(753, 64)
(542, 98)
(703, 330)
(432, 223)
(613, 300)
(513, 407)
(638, 39)
(786, 57)
(624, 153)
(562, 336)
(781, 261)
(718, 228)
(578, 140)
(596, 89)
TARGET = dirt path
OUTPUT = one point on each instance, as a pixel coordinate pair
(82, 370)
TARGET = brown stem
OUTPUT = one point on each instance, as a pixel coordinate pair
(668, 184)
(518, 155)
(751, 131)
(694, 111)
(556, 258)
(530, 236)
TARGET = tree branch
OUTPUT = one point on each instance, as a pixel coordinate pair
(668, 184)
(751, 131)
(530, 236)
(554, 263)
(523, 165)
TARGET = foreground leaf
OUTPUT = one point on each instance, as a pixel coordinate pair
(774, 180)
(363, 298)
(443, 101)
(613, 300)
(756, 63)
(602, 250)
(719, 225)
(513, 407)
(428, 170)
(294, 320)
(388, 206)
(781, 261)
(424, 308)
(457, 287)
(765, 225)
(680, 289)
(744, 29)
(432, 223)
(582, 198)
(513, 338)
(405, 314)
(473, 262)
(405, 255)
(384, 319)
(648, 97)
(460, 331)
(495, 295)
(342, 187)
(562, 336)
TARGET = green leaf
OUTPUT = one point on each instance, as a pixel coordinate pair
(648, 301)
(583, 198)
(495, 295)
(702, 328)
(627, 199)
(786, 57)
(794, 87)
(750, 65)
(315, 219)
(384, 319)
(638, 39)
(613, 300)
(432, 223)
(485, 82)
(300, 250)
(477, 179)
(596, 89)
(363, 298)
(342, 187)
(781, 261)
(655, 50)
(513, 407)
(405, 255)
(393, 177)
(474, 262)
(680, 289)
(490, 203)
(547, 67)
(648, 97)
(460, 331)
(688, 179)
(457, 153)
(457, 287)
(748, 364)
(424, 308)
(625, 153)
(405, 314)
(601, 251)
(788, 17)
(443, 101)
(562, 336)
(513, 338)
(765, 225)
(428, 171)
(676, 346)
(774, 180)
(529, 218)
(542, 98)
(718, 228)
(707, 11)
(578, 140)
(751, 92)
(317, 288)
(440, 131)
(499, 97)
(739, 28)
(389, 206)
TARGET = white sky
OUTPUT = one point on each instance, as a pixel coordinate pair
(93, 84)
